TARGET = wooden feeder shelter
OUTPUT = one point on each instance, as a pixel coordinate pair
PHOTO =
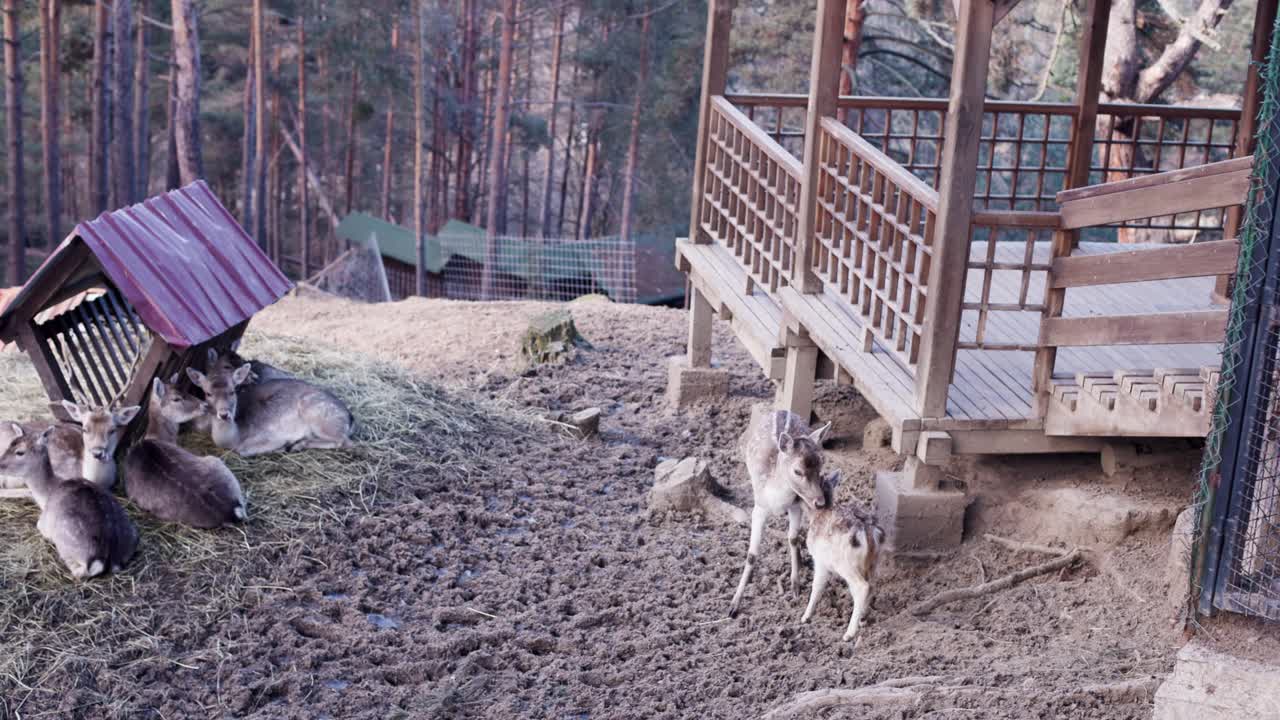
(136, 294)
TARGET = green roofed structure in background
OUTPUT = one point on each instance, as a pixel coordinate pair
(640, 270)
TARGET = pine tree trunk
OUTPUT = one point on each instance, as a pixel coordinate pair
(351, 139)
(247, 143)
(172, 176)
(496, 224)
(122, 157)
(386, 151)
(633, 144)
(524, 151)
(13, 132)
(50, 99)
(568, 156)
(141, 109)
(853, 18)
(186, 46)
(419, 137)
(557, 52)
(466, 137)
(260, 125)
(273, 165)
(98, 186)
(304, 208)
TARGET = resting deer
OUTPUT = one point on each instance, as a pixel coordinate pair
(66, 449)
(171, 483)
(845, 541)
(259, 371)
(88, 527)
(270, 416)
(784, 460)
(101, 435)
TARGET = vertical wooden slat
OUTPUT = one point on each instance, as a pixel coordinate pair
(955, 210)
(36, 346)
(824, 90)
(104, 348)
(715, 77)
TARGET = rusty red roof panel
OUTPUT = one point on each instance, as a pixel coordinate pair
(187, 267)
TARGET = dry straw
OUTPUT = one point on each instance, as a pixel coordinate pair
(409, 434)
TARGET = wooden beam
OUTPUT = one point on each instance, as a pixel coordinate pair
(1199, 326)
(699, 330)
(824, 92)
(796, 393)
(1003, 8)
(955, 210)
(1156, 180)
(46, 366)
(1202, 193)
(1164, 263)
(715, 79)
(1093, 48)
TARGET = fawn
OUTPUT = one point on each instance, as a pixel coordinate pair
(66, 449)
(259, 371)
(784, 459)
(845, 541)
(272, 415)
(101, 434)
(170, 482)
(89, 529)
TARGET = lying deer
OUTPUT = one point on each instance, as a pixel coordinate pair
(66, 449)
(784, 460)
(100, 428)
(89, 529)
(171, 483)
(259, 371)
(845, 541)
(272, 415)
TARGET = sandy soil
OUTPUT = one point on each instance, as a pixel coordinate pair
(543, 588)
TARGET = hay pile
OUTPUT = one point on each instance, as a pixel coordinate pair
(409, 435)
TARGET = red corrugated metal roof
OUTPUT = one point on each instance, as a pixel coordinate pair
(187, 267)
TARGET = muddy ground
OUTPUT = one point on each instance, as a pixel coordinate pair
(541, 587)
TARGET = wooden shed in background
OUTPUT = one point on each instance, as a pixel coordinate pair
(133, 294)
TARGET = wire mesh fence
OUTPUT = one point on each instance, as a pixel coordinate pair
(466, 267)
(1236, 549)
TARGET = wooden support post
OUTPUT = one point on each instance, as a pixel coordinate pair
(46, 366)
(824, 92)
(955, 209)
(1246, 136)
(1093, 46)
(715, 78)
(796, 393)
(699, 329)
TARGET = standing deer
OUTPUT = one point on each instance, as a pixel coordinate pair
(784, 459)
(101, 431)
(845, 541)
(273, 415)
(171, 483)
(89, 529)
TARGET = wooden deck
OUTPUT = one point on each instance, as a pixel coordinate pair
(992, 389)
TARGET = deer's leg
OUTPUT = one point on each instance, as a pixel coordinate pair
(820, 576)
(793, 544)
(860, 589)
(758, 516)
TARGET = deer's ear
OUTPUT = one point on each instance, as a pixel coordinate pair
(235, 345)
(786, 443)
(241, 374)
(817, 436)
(76, 412)
(157, 388)
(43, 438)
(124, 416)
(198, 378)
(16, 429)
(877, 534)
(212, 358)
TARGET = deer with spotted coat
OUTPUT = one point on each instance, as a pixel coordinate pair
(784, 460)
(844, 541)
(101, 429)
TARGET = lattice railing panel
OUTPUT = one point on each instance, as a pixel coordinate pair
(874, 235)
(751, 195)
(1009, 257)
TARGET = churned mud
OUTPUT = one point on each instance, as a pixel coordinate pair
(534, 583)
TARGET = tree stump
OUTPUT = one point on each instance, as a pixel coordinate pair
(550, 337)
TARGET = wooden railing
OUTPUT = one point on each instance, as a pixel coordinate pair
(751, 192)
(1214, 185)
(1023, 156)
(874, 236)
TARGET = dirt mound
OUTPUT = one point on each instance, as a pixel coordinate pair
(530, 581)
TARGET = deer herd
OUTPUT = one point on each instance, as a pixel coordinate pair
(248, 408)
(251, 408)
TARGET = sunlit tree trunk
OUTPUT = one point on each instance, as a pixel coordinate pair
(633, 144)
(13, 139)
(186, 46)
(50, 110)
(496, 224)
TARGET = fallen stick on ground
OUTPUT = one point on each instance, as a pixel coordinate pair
(888, 693)
(1017, 546)
(1002, 583)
